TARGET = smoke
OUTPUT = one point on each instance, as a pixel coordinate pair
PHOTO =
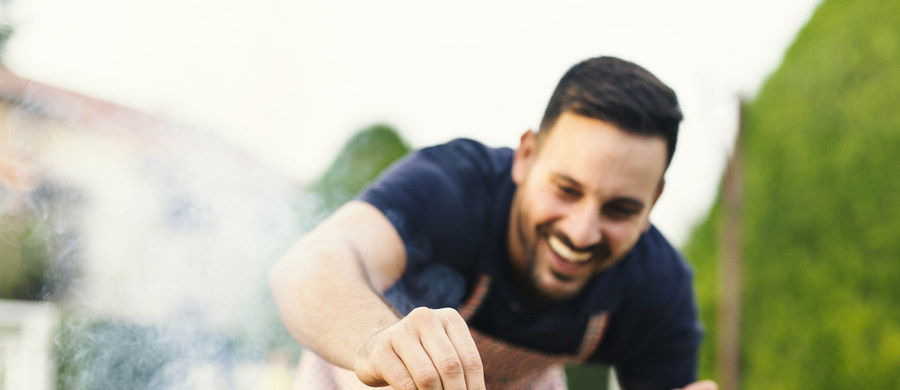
(177, 237)
(160, 238)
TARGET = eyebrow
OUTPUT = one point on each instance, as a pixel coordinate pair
(567, 179)
(627, 201)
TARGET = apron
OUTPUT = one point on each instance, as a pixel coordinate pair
(506, 366)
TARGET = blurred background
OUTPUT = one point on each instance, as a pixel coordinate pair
(156, 157)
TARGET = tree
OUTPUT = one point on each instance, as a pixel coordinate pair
(6, 28)
(363, 157)
(820, 211)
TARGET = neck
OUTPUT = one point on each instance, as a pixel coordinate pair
(514, 240)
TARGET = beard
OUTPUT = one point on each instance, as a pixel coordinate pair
(529, 283)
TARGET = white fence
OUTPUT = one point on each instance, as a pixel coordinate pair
(26, 341)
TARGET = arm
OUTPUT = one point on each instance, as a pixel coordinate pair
(702, 385)
(327, 289)
(322, 285)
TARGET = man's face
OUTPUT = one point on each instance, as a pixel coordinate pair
(584, 195)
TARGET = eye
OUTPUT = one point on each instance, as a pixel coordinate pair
(619, 211)
(568, 191)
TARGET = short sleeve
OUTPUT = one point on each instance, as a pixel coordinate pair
(438, 199)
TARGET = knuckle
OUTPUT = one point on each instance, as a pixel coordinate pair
(421, 316)
(380, 351)
(425, 313)
(385, 342)
(406, 326)
(428, 378)
(450, 366)
(471, 362)
(452, 316)
(419, 312)
(449, 312)
(415, 316)
(406, 384)
(400, 328)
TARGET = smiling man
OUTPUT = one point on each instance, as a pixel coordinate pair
(470, 267)
(585, 193)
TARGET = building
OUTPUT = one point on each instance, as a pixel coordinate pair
(147, 222)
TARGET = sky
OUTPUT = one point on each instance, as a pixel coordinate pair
(290, 81)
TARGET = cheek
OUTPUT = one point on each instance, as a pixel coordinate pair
(531, 209)
(546, 206)
(621, 236)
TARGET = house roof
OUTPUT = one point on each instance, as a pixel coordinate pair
(37, 102)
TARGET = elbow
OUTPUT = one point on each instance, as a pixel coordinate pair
(285, 276)
(279, 286)
(277, 278)
(303, 270)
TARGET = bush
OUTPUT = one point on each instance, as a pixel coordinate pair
(821, 210)
(38, 246)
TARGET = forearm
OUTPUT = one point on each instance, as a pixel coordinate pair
(326, 300)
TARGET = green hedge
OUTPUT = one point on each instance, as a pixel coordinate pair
(362, 158)
(821, 210)
(38, 243)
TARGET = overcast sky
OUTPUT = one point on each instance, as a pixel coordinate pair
(289, 81)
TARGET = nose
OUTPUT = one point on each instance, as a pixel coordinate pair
(582, 226)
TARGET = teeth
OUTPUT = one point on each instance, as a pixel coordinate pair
(567, 253)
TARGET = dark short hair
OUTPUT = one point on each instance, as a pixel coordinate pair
(619, 92)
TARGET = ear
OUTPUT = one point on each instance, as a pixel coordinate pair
(662, 185)
(524, 156)
(659, 191)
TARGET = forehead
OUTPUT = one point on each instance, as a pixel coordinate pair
(598, 153)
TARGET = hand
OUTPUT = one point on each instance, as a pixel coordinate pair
(702, 385)
(427, 349)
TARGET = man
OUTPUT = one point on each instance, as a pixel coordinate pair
(469, 267)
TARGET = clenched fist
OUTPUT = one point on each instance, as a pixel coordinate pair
(427, 349)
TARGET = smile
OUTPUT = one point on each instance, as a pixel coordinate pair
(567, 253)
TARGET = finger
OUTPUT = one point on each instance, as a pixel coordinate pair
(443, 353)
(418, 363)
(394, 372)
(467, 351)
(379, 365)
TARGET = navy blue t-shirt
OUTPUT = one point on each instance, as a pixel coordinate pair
(450, 204)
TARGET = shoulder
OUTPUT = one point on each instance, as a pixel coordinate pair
(657, 327)
(654, 259)
(442, 197)
(658, 282)
(464, 153)
(456, 170)
(652, 285)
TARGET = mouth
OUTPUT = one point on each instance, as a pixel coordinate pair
(568, 254)
(566, 263)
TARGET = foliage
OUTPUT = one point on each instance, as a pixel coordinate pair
(37, 245)
(6, 28)
(24, 257)
(821, 211)
(101, 354)
(363, 157)
(703, 252)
